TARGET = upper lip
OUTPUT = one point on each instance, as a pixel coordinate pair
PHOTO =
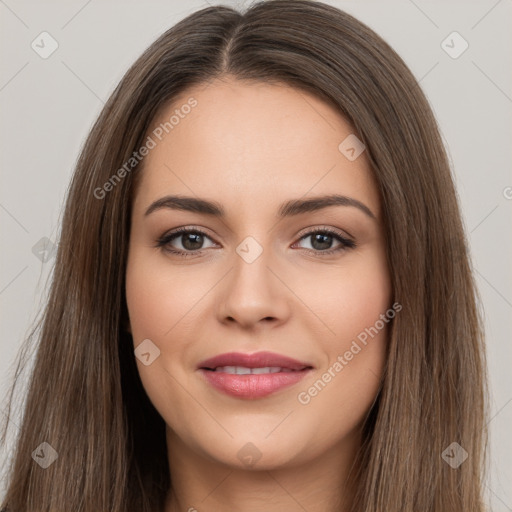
(256, 360)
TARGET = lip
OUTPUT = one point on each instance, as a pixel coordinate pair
(256, 360)
(253, 386)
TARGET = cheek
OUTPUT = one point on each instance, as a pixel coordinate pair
(358, 304)
(161, 309)
(363, 322)
(160, 300)
(349, 298)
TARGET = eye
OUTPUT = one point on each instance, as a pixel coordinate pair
(322, 239)
(189, 241)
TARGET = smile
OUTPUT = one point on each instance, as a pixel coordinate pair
(252, 376)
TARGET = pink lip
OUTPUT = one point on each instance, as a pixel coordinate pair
(257, 360)
(253, 386)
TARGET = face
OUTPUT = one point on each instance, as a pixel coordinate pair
(260, 273)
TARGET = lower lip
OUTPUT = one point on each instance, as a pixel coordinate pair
(252, 386)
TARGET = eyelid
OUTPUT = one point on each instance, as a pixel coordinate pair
(176, 232)
(320, 228)
(346, 242)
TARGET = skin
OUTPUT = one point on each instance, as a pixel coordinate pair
(252, 146)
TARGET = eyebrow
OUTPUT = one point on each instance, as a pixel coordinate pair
(287, 209)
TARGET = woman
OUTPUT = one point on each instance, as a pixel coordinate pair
(195, 354)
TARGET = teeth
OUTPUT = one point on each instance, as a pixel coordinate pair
(242, 370)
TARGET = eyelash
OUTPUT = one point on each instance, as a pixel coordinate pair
(165, 239)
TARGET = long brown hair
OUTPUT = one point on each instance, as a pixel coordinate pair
(85, 398)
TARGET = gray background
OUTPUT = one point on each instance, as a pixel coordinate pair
(48, 106)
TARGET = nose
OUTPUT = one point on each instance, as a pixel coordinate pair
(253, 293)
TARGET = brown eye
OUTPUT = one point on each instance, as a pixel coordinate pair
(322, 240)
(192, 241)
(183, 241)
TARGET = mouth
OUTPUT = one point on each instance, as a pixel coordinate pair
(243, 370)
(252, 376)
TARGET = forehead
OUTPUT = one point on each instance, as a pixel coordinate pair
(244, 142)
